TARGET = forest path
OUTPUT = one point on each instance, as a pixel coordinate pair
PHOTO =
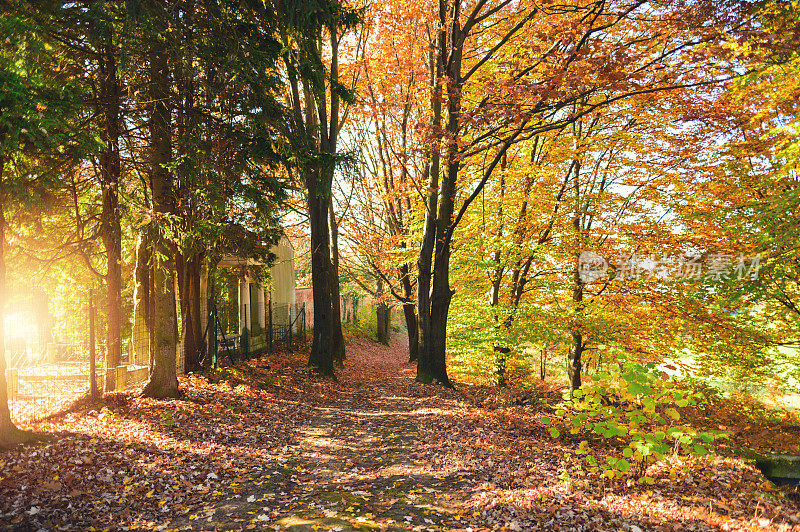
(357, 463)
(357, 466)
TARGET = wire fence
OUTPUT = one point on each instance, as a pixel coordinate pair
(40, 378)
(43, 377)
(46, 379)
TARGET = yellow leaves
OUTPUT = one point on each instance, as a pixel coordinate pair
(149, 493)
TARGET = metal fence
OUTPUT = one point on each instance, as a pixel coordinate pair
(43, 377)
(253, 334)
(43, 380)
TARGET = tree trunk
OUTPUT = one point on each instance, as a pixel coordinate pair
(337, 336)
(501, 352)
(575, 362)
(163, 377)
(433, 335)
(441, 293)
(542, 363)
(410, 313)
(404, 271)
(436, 342)
(382, 316)
(211, 313)
(151, 316)
(501, 364)
(425, 371)
(321, 359)
(320, 131)
(411, 326)
(111, 232)
(163, 381)
(189, 290)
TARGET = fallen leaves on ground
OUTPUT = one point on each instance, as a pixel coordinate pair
(266, 444)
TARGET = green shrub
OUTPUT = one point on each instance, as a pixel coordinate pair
(632, 408)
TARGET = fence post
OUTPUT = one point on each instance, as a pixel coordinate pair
(246, 342)
(291, 324)
(216, 332)
(122, 377)
(270, 326)
(304, 322)
(92, 353)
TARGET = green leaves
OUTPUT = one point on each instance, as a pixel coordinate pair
(635, 406)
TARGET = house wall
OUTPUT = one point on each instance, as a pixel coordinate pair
(283, 294)
(305, 296)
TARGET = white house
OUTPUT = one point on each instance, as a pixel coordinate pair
(252, 302)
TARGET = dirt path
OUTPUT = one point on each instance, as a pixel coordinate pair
(356, 465)
(359, 469)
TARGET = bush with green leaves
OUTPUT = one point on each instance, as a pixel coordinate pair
(632, 407)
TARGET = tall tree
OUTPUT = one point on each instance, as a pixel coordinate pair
(310, 32)
(383, 132)
(225, 110)
(163, 381)
(105, 39)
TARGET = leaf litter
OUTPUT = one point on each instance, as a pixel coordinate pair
(267, 445)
